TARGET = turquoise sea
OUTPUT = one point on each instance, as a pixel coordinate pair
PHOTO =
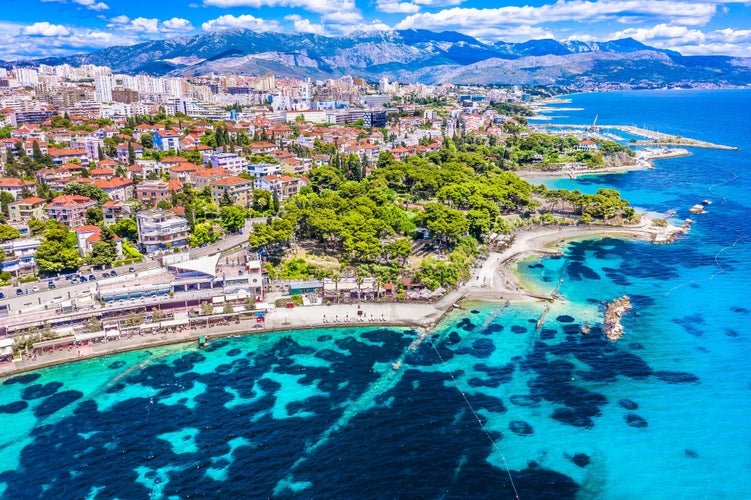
(489, 406)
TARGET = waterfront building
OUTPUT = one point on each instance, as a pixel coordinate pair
(161, 229)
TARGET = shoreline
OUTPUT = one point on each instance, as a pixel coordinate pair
(497, 280)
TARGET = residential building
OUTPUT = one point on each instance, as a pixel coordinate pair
(283, 185)
(86, 236)
(26, 209)
(16, 186)
(160, 230)
(118, 188)
(164, 140)
(122, 151)
(113, 211)
(152, 192)
(67, 155)
(231, 161)
(70, 209)
(240, 190)
(203, 178)
(261, 169)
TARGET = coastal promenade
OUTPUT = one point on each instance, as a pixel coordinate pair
(495, 281)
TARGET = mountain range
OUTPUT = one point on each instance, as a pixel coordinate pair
(416, 56)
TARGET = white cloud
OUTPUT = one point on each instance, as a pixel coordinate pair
(662, 35)
(243, 21)
(120, 19)
(45, 29)
(344, 17)
(396, 7)
(177, 24)
(92, 4)
(679, 12)
(302, 25)
(320, 6)
(149, 25)
(729, 35)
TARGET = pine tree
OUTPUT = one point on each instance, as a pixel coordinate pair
(131, 154)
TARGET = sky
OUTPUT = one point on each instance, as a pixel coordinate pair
(42, 28)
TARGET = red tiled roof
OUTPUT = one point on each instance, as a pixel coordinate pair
(232, 180)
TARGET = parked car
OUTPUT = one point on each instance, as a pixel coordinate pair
(82, 279)
(92, 277)
(51, 284)
(35, 289)
(2, 295)
(19, 291)
(113, 273)
(73, 281)
(105, 275)
(131, 269)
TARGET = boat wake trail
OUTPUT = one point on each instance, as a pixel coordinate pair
(723, 183)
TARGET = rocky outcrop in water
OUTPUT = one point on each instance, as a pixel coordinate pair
(616, 309)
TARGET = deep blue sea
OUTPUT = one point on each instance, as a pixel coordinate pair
(488, 407)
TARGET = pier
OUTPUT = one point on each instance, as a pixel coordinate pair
(652, 138)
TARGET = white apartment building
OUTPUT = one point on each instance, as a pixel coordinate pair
(160, 230)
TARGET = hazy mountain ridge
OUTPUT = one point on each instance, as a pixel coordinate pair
(416, 56)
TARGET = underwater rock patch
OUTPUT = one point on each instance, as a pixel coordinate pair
(635, 420)
(581, 459)
(26, 378)
(466, 325)
(521, 428)
(676, 377)
(14, 407)
(691, 453)
(56, 402)
(116, 365)
(628, 404)
(518, 329)
(41, 391)
(324, 338)
(564, 318)
(234, 352)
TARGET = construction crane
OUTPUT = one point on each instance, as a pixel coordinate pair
(594, 124)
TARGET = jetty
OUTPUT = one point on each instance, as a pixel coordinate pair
(612, 324)
(651, 137)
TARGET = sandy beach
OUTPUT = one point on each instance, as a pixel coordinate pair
(495, 280)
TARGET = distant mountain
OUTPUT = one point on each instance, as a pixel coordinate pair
(417, 56)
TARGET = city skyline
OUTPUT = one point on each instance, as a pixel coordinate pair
(42, 28)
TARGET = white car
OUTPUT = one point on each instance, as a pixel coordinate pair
(35, 289)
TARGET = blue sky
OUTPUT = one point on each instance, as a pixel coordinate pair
(38, 28)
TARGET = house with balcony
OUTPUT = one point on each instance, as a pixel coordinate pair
(69, 210)
(283, 185)
(161, 230)
(240, 191)
(113, 211)
(27, 209)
